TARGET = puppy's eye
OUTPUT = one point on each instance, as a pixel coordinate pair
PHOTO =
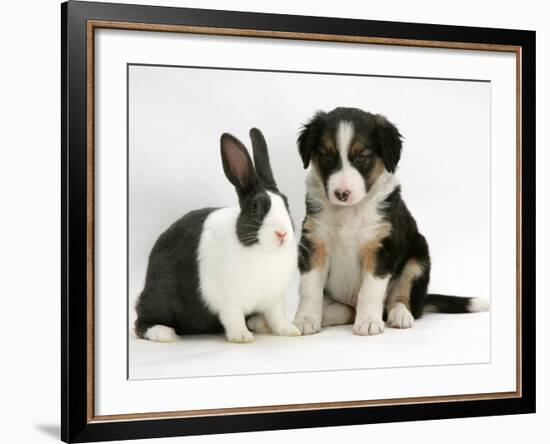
(326, 156)
(360, 159)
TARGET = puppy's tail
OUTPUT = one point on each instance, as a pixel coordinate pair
(440, 303)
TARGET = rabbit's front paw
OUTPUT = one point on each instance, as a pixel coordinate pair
(240, 337)
(308, 325)
(161, 333)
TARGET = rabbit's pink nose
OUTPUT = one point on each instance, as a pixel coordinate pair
(280, 235)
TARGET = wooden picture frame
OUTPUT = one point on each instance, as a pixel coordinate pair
(79, 22)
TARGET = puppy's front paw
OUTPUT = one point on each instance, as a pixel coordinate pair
(240, 337)
(307, 325)
(288, 330)
(368, 327)
(400, 317)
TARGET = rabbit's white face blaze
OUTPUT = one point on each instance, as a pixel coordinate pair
(276, 230)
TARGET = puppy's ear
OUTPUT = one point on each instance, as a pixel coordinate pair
(308, 139)
(237, 164)
(390, 143)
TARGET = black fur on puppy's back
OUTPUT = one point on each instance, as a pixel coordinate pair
(171, 295)
(403, 244)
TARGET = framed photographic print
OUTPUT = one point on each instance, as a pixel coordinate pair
(275, 221)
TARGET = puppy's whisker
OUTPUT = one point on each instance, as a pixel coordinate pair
(306, 246)
(308, 249)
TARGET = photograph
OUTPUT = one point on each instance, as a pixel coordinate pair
(295, 222)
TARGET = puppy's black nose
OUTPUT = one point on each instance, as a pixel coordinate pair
(342, 195)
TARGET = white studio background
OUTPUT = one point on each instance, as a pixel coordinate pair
(178, 114)
(29, 179)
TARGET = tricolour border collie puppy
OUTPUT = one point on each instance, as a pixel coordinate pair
(361, 256)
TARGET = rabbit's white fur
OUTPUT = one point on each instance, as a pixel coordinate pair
(237, 280)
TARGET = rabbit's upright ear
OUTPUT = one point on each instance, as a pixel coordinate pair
(261, 158)
(237, 164)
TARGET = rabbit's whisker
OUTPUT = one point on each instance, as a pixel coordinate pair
(253, 226)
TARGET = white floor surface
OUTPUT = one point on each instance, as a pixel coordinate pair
(435, 339)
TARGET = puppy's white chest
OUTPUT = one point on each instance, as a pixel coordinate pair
(347, 232)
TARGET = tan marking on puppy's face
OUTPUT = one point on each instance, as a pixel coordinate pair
(375, 172)
(369, 250)
(329, 144)
(373, 163)
(400, 292)
(356, 147)
(327, 150)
